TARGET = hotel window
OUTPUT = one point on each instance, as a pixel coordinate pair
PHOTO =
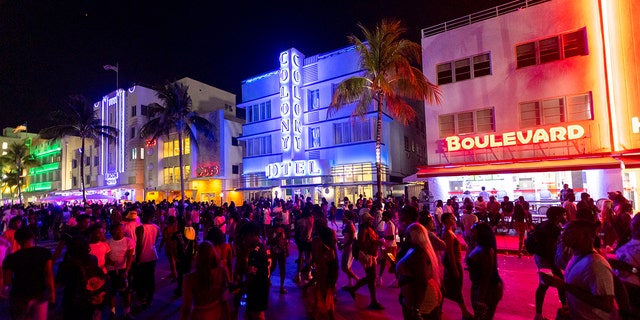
(313, 99)
(551, 49)
(259, 146)
(235, 169)
(464, 69)
(234, 141)
(144, 110)
(314, 137)
(133, 110)
(5, 145)
(444, 73)
(259, 112)
(171, 148)
(476, 121)
(134, 153)
(556, 110)
(481, 65)
(348, 132)
(133, 132)
(172, 174)
(141, 153)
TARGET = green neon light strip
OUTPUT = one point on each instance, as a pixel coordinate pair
(53, 149)
(45, 168)
(39, 186)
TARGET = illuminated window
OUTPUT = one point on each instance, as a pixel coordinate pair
(142, 153)
(352, 131)
(314, 137)
(464, 69)
(482, 120)
(551, 49)
(313, 101)
(134, 153)
(258, 112)
(556, 110)
(171, 148)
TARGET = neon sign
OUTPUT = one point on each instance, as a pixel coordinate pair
(290, 101)
(513, 138)
(208, 171)
(299, 168)
(111, 178)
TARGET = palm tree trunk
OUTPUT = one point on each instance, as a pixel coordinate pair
(84, 195)
(18, 182)
(378, 150)
(180, 147)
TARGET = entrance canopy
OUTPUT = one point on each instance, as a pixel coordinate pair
(523, 166)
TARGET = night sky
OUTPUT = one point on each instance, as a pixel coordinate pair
(50, 49)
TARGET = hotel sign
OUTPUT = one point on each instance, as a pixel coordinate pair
(301, 168)
(291, 103)
(111, 178)
(515, 138)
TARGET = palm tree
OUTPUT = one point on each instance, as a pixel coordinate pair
(78, 118)
(175, 115)
(390, 77)
(17, 158)
(9, 181)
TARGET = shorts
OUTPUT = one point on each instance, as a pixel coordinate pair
(119, 282)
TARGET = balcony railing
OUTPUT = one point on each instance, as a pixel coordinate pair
(480, 16)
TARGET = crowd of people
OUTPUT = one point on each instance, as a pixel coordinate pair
(222, 257)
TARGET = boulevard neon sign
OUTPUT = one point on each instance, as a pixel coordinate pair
(299, 168)
(513, 138)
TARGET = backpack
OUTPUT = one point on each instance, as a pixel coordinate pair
(534, 243)
(93, 287)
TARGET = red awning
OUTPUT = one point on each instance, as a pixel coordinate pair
(524, 166)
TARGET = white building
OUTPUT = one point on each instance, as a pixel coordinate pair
(293, 147)
(131, 168)
(536, 94)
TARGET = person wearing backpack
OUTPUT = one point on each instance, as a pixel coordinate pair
(185, 239)
(549, 232)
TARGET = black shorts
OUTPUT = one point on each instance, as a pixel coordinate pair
(118, 281)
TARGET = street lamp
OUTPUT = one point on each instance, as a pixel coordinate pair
(221, 195)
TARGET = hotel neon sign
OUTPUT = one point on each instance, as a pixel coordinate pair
(300, 168)
(513, 138)
(290, 101)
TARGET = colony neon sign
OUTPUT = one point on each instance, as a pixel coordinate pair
(299, 168)
(290, 101)
(513, 138)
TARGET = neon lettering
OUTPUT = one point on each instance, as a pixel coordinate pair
(553, 134)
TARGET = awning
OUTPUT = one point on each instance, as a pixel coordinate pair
(522, 167)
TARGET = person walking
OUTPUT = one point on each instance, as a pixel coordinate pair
(486, 285)
(325, 258)
(119, 261)
(146, 257)
(368, 245)
(349, 237)
(185, 239)
(169, 245)
(419, 277)
(550, 230)
(28, 273)
(204, 290)
(256, 278)
(519, 224)
(279, 247)
(588, 279)
(452, 262)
